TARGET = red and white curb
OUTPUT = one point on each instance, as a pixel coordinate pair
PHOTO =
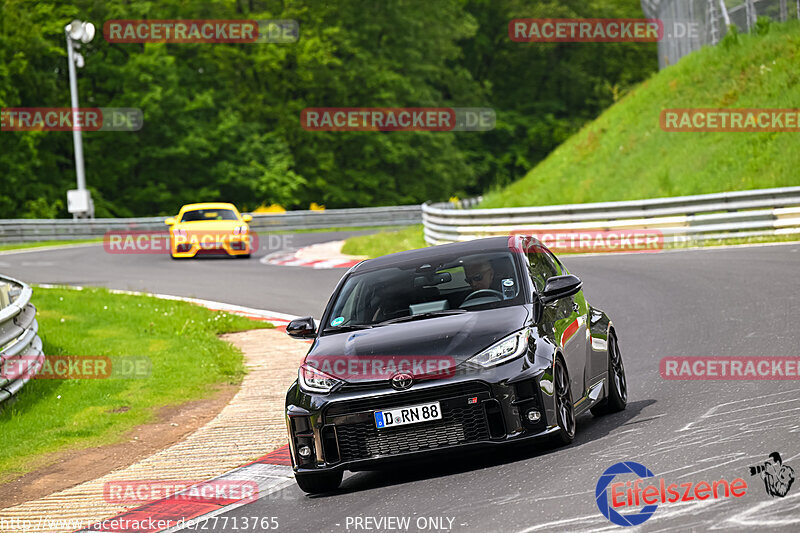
(272, 473)
(292, 259)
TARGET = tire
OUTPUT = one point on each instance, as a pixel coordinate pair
(319, 483)
(243, 256)
(565, 409)
(617, 398)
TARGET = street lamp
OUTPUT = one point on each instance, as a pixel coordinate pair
(79, 201)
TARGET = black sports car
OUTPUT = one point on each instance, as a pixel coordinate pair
(459, 345)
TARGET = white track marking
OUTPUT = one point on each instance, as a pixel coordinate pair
(209, 304)
(758, 516)
(50, 248)
(270, 479)
(711, 412)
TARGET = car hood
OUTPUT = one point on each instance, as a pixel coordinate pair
(455, 338)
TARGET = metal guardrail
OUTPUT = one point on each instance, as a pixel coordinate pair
(29, 230)
(19, 339)
(681, 219)
(691, 24)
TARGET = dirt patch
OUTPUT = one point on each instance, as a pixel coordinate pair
(62, 470)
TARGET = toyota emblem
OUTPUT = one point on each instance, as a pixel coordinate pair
(402, 381)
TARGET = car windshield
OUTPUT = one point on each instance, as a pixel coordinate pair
(412, 291)
(198, 215)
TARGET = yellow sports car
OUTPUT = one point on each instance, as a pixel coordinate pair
(209, 229)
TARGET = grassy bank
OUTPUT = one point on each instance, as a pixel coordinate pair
(624, 154)
(180, 340)
(385, 242)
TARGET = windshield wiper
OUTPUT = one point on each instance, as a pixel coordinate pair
(421, 316)
(349, 327)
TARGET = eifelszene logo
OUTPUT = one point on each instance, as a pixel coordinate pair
(601, 494)
(777, 477)
(631, 494)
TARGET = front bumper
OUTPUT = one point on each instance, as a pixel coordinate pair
(226, 245)
(340, 429)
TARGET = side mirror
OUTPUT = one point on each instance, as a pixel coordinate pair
(247, 218)
(302, 328)
(559, 287)
(170, 221)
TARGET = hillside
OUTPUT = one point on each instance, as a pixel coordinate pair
(624, 154)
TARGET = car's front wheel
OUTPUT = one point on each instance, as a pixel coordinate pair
(319, 482)
(617, 398)
(565, 409)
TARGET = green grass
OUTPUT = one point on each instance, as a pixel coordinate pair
(710, 243)
(326, 230)
(385, 242)
(624, 154)
(40, 244)
(180, 339)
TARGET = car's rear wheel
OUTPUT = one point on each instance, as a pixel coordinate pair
(565, 409)
(617, 398)
(243, 256)
(319, 482)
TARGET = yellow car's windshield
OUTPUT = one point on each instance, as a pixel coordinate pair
(199, 215)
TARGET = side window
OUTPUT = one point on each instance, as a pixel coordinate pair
(541, 268)
(559, 268)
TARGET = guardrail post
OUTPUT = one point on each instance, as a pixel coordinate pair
(5, 301)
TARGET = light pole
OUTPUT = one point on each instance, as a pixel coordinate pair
(79, 201)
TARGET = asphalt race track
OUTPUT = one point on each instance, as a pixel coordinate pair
(713, 302)
(294, 290)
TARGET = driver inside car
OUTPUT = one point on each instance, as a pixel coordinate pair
(479, 275)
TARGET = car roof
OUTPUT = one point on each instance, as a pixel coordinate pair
(490, 244)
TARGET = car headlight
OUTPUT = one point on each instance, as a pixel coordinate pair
(313, 380)
(507, 349)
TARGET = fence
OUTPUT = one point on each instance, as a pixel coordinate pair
(19, 339)
(22, 230)
(681, 220)
(691, 24)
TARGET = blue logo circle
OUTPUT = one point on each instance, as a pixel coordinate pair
(601, 494)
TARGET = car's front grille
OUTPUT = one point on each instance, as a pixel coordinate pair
(458, 425)
(410, 397)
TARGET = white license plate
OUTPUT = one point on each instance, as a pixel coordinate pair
(211, 245)
(413, 414)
